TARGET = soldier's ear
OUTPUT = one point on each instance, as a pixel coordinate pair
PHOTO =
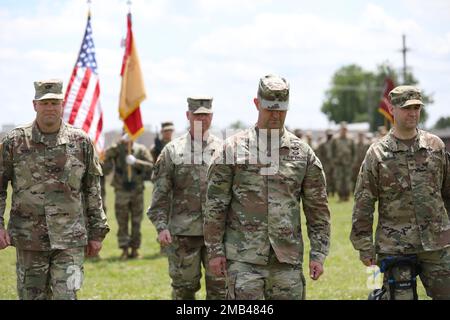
(391, 108)
(256, 102)
(187, 115)
(34, 105)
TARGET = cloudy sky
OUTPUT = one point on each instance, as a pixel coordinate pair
(221, 48)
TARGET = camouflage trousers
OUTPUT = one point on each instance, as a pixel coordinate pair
(129, 205)
(186, 255)
(434, 272)
(274, 281)
(45, 275)
(343, 181)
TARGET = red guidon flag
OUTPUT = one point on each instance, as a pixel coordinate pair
(81, 103)
(384, 103)
(132, 91)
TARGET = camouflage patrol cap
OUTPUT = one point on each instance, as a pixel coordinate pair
(403, 96)
(343, 124)
(48, 89)
(166, 126)
(273, 92)
(200, 104)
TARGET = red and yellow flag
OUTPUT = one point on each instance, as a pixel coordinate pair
(132, 91)
(384, 103)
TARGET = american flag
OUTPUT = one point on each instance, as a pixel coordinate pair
(82, 106)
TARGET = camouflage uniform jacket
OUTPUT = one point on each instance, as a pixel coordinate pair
(247, 212)
(343, 150)
(324, 152)
(115, 159)
(360, 152)
(56, 200)
(412, 186)
(155, 150)
(180, 185)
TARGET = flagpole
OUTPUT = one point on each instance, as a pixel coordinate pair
(129, 166)
(89, 2)
(129, 142)
(129, 6)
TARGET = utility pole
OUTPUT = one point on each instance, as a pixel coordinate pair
(404, 50)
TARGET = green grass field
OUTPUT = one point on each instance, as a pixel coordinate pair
(109, 278)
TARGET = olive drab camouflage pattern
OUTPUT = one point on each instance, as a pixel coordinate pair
(180, 186)
(325, 154)
(157, 148)
(129, 193)
(33, 268)
(273, 92)
(284, 281)
(48, 89)
(200, 104)
(115, 161)
(56, 201)
(412, 187)
(403, 96)
(248, 213)
(361, 148)
(178, 202)
(343, 154)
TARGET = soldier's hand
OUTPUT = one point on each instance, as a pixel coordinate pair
(368, 261)
(5, 240)
(165, 238)
(93, 248)
(315, 270)
(218, 266)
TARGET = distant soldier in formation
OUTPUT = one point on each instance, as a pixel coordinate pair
(298, 133)
(309, 139)
(252, 225)
(343, 148)
(361, 148)
(56, 215)
(167, 130)
(326, 156)
(408, 173)
(132, 165)
(178, 203)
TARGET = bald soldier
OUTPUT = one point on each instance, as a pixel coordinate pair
(252, 223)
(178, 203)
(407, 172)
(56, 214)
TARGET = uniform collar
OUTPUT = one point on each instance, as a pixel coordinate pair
(285, 141)
(394, 144)
(38, 137)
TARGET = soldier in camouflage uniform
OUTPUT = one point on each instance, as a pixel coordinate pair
(343, 149)
(408, 173)
(167, 129)
(129, 190)
(252, 224)
(56, 214)
(178, 203)
(325, 154)
(361, 147)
